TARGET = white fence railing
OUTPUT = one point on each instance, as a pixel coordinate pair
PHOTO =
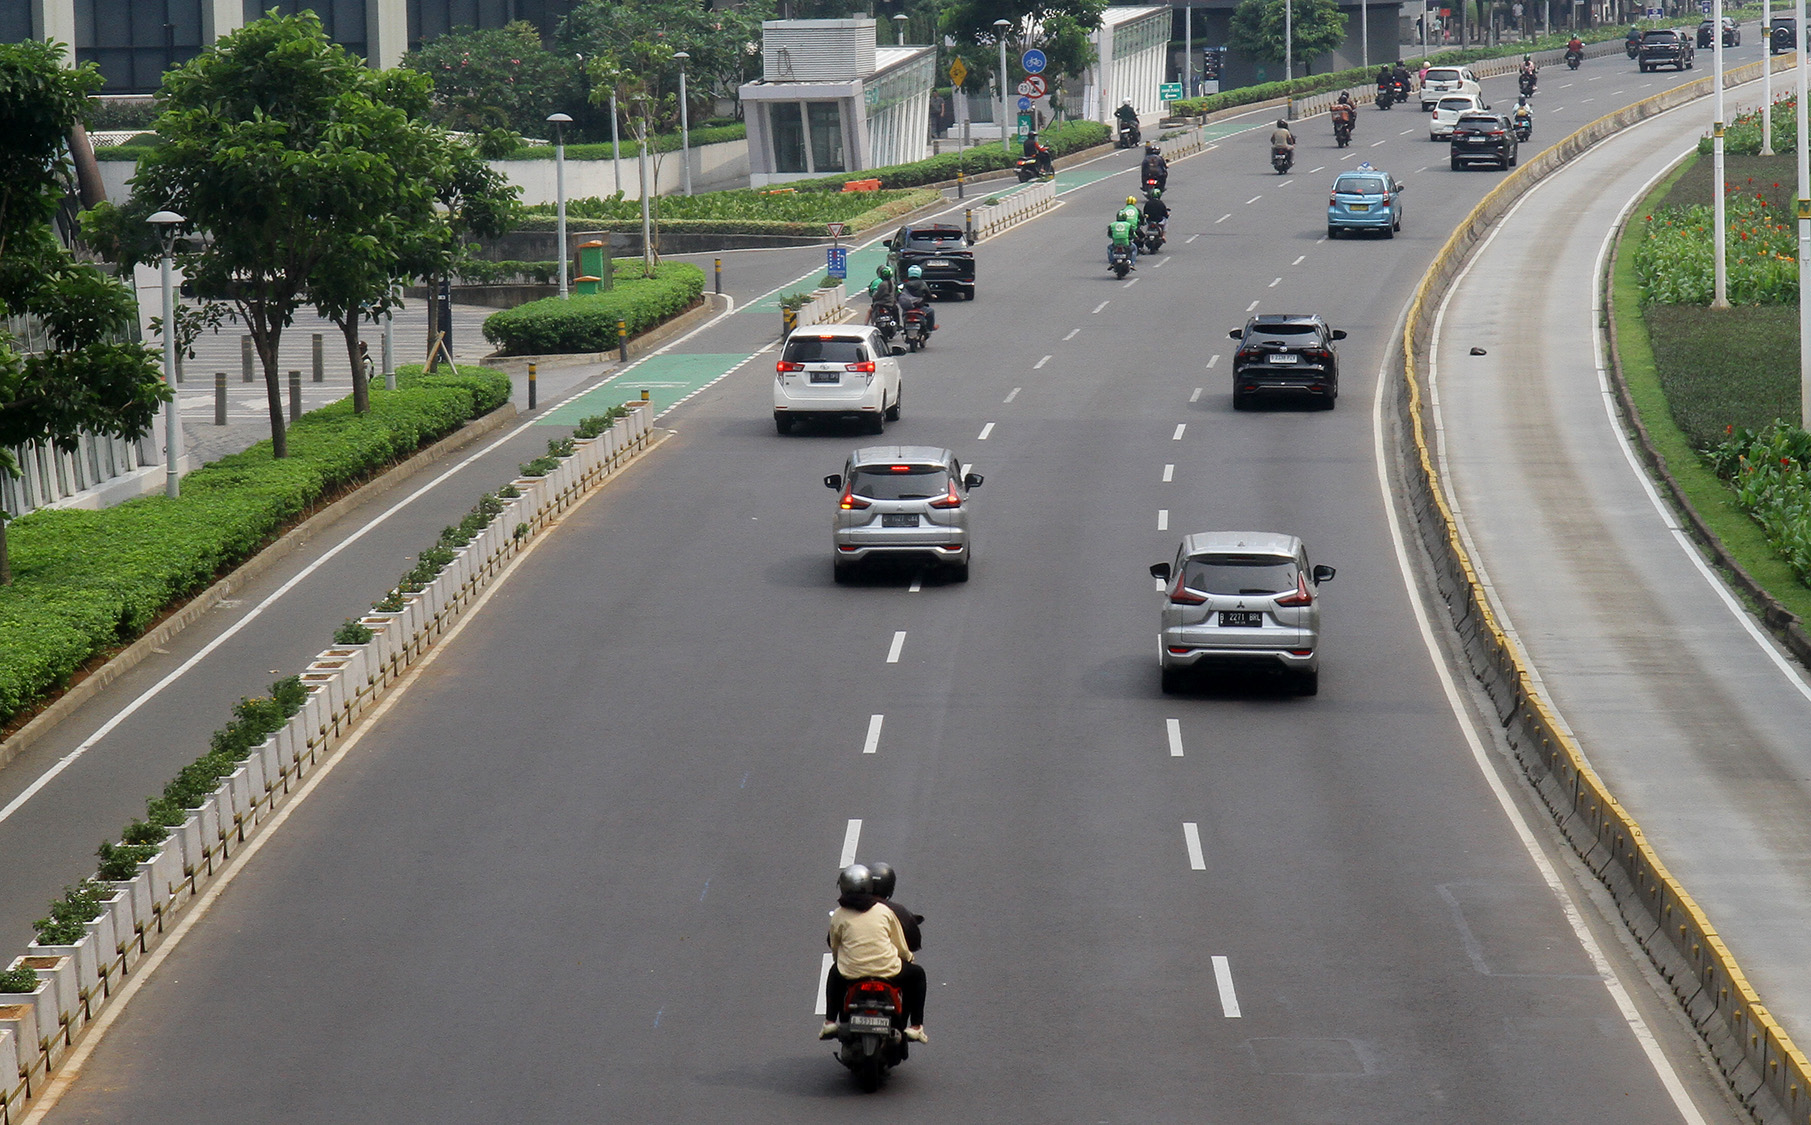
(992, 218)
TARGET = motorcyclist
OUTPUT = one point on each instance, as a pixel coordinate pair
(916, 293)
(1383, 76)
(1156, 211)
(883, 294)
(1282, 140)
(1575, 46)
(1343, 113)
(1038, 151)
(1155, 167)
(1400, 76)
(1523, 116)
(1128, 117)
(885, 879)
(1121, 236)
(1130, 212)
(1528, 75)
(867, 942)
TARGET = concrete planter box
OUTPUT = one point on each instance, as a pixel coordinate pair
(326, 681)
(119, 907)
(166, 868)
(229, 816)
(386, 647)
(243, 798)
(42, 1000)
(138, 889)
(60, 974)
(106, 944)
(20, 1023)
(210, 828)
(10, 1082)
(270, 760)
(357, 672)
(87, 964)
(317, 718)
(188, 838)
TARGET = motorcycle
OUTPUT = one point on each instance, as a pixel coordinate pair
(871, 1031)
(1128, 135)
(1035, 168)
(1526, 82)
(1282, 158)
(883, 320)
(1524, 128)
(1386, 95)
(1119, 260)
(1342, 132)
(917, 329)
(1573, 58)
(1150, 237)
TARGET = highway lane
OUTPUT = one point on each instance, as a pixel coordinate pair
(529, 852)
(1695, 720)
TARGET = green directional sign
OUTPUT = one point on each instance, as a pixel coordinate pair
(1169, 92)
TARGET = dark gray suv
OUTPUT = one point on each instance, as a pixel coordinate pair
(1288, 355)
(1664, 47)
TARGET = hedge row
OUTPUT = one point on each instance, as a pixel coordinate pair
(1062, 138)
(736, 204)
(896, 203)
(589, 323)
(86, 582)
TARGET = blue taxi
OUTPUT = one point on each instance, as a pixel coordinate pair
(1365, 198)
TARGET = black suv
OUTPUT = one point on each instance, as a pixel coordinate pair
(1732, 35)
(1480, 137)
(1664, 47)
(1286, 354)
(940, 251)
(1784, 36)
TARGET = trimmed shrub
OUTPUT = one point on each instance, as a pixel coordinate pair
(588, 323)
(87, 582)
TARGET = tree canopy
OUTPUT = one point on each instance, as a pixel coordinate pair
(89, 377)
(1316, 27)
(1059, 28)
(724, 45)
(500, 78)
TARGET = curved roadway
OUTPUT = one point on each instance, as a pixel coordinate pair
(578, 870)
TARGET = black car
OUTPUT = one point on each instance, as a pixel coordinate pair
(1286, 354)
(1732, 34)
(1664, 47)
(941, 251)
(1480, 137)
(1784, 36)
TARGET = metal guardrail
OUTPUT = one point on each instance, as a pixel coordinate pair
(1767, 1072)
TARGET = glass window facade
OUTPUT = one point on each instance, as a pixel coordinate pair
(826, 136)
(134, 41)
(429, 19)
(15, 21)
(787, 129)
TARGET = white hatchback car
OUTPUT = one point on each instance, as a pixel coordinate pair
(1444, 80)
(836, 373)
(1447, 112)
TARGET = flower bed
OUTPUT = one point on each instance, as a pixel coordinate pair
(1675, 259)
(1770, 472)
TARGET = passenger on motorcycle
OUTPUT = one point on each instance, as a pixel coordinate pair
(1400, 76)
(867, 942)
(883, 294)
(885, 879)
(1155, 209)
(1155, 167)
(1343, 113)
(1383, 76)
(1128, 116)
(1281, 139)
(1120, 236)
(1036, 150)
(1575, 46)
(1523, 117)
(916, 294)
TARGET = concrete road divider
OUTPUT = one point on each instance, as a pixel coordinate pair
(1008, 211)
(1766, 1071)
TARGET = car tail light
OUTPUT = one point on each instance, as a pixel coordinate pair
(1332, 198)
(1386, 197)
(1301, 595)
(866, 367)
(851, 502)
(1182, 595)
(783, 367)
(950, 499)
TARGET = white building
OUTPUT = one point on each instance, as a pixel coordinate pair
(1132, 45)
(830, 100)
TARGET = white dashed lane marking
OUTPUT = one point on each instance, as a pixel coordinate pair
(1169, 473)
(1196, 397)
(1163, 519)
(985, 430)
(892, 658)
(1229, 1000)
(1040, 363)
(851, 838)
(1173, 727)
(873, 740)
(1013, 395)
(1191, 836)
(1177, 436)
(1100, 306)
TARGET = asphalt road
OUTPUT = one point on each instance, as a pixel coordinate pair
(1691, 714)
(578, 870)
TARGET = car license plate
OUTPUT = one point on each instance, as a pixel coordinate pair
(902, 519)
(1285, 357)
(826, 377)
(1240, 618)
(942, 263)
(867, 1024)
(1359, 206)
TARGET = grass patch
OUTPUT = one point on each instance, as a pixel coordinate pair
(1713, 500)
(1770, 177)
(1724, 369)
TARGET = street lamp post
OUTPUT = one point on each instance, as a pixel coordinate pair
(1767, 79)
(899, 22)
(641, 159)
(1719, 233)
(1804, 233)
(1288, 40)
(616, 146)
(559, 122)
(685, 127)
(166, 223)
(1000, 27)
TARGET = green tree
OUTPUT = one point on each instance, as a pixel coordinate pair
(724, 44)
(502, 78)
(86, 379)
(1059, 28)
(1315, 28)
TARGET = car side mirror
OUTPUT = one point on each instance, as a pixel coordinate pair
(1339, 333)
(1322, 574)
(834, 480)
(1236, 334)
(1160, 571)
(972, 480)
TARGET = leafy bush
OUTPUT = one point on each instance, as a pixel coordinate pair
(352, 633)
(589, 323)
(1676, 261)
(595, 424)
(80, 904)
(20, 980)
(120, 861)
(86, 582)
(1770, 471)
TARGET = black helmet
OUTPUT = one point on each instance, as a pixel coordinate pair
(883, 879)
(855, 879)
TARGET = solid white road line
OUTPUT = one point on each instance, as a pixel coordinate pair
(823, 980)
(1040, 363)
(1213, 359)
(1180, 426)
(985, 430)
(898, 643)
(1163, 519)
(1013, 395)
(1071, 335)
(873, 741)
(1192, 837)
(1196, 397)
(1169, 473)
(1100, 306)
(1229, 1000)
(851, 838)
(1173, 728)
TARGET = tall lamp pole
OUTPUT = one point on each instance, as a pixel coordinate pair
(1000, 27)
(899, 22)
(1719, 235)
(641, 159)
(166, 223)
(1767, 79)
(559, 121)
(685, 127)
(1804, 237)
(616, 146)
(1288, 41)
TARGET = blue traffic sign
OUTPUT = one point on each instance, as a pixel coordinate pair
(1034, 61)
(1024, 104)
(837, 261)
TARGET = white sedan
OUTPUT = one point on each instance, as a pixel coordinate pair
(1446, 114)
